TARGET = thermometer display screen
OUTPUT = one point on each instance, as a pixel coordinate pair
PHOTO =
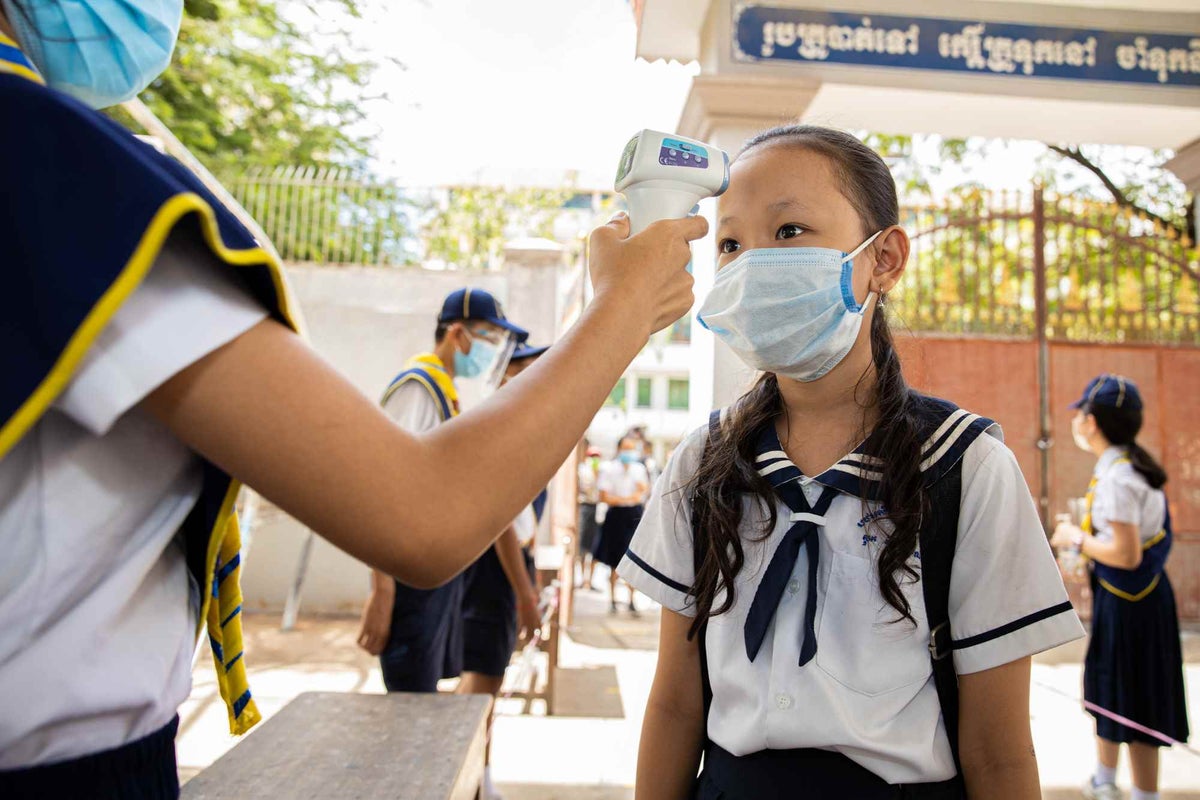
(626, 163)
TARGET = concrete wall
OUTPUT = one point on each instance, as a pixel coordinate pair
(367, 322)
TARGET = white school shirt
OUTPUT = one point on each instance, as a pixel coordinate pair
(97, 611)
(1123, 495)
(413, 408)
(621, 480)
(869, 692)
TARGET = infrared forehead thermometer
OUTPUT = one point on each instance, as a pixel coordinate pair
(664, 175)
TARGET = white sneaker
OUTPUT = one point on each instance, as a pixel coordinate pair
(1105, 791)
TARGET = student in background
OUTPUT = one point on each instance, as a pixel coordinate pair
(418, 633)
(588, 527)
(499, 597)
(623, 485)
(1134, 664)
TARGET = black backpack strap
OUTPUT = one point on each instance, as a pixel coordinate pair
(938, 537)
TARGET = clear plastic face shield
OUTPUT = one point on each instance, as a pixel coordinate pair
(480, 371)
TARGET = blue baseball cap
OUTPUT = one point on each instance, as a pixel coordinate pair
(476, 304)
(1114, 391)
(526, 351)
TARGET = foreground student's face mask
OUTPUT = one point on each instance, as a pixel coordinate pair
(102, 52)
(787, 310)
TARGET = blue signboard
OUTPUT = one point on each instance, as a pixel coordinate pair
(771, 33)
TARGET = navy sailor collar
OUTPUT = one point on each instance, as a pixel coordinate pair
(946, 432)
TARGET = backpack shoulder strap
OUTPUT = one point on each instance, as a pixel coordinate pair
(938, 539)
(427, 381)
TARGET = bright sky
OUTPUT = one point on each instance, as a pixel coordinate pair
(499, 89)
(527, 91)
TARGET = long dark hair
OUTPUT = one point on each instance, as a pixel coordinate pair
(728, 471)
(1120, 427)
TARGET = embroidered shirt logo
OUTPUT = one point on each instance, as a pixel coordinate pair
(874, 515)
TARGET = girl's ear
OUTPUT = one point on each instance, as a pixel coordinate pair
(891, 257)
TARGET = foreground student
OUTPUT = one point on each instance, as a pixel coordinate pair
(150, 363)
(814, 543)
(1134, 665)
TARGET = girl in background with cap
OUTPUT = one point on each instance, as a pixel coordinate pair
(853, 575)
(1134, 665)
(151, 364)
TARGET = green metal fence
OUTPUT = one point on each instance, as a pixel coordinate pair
(329, 215)
(977, 265)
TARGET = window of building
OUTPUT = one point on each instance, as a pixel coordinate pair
(677, 393)
(617, 396)
(643, 392)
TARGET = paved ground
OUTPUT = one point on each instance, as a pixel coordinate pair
(588, 749)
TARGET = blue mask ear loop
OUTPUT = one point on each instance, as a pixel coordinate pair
(852, 305)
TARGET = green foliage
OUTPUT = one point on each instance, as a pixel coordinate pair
(913, 169)
(264, 83)
(468, 228)
(1130, 176)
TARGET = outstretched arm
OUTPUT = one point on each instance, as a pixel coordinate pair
(270, 411)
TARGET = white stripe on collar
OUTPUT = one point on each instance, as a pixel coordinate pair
(851, 469)
(771, 455)
(947, 424)
(863, 459)
(765, 471)
(964, 422)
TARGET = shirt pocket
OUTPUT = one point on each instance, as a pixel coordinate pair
(862, 642)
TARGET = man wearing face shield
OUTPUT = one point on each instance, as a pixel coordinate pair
(417, 633)
(152, 365)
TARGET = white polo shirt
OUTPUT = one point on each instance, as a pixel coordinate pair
(621, 479)
(868, 692)
(97, 611)
(1123, 495)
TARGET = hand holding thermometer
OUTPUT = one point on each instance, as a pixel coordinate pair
(664, 175)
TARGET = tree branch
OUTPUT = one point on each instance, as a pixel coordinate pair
(1122, 199)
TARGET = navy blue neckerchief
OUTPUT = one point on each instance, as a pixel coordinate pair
(784, 477)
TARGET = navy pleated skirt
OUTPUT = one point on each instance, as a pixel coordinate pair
(806, 773)
(141, 770)
(1134, 665)
(616, 533)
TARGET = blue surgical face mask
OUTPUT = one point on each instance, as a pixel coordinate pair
(472, 363)
(787, 310)
(101, 52)
(628, 456)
